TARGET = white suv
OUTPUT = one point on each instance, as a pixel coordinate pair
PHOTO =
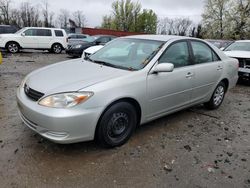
(52, 39)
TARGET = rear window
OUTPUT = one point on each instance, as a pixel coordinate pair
(58, 33)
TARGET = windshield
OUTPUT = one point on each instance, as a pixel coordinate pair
(239, 46)
(130, 54)
(20, 31)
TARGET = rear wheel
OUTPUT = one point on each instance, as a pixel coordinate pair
(116, 125)
(13, 47)
(217, 97)
(57, 48)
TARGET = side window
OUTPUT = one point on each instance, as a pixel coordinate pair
(30, 32)
(58, 33)
(202, 53)
(81, 36)
(43, 32)
(177, 54)
(103, 40)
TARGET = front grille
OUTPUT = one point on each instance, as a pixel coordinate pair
(32, 94)
(244, 63)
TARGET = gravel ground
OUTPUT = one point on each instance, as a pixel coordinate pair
(191, 148)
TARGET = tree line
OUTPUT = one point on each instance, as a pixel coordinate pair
(38, 15)
(221, 19)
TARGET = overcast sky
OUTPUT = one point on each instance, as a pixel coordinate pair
(94, 10)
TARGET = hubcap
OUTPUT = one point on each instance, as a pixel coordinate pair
(118, 125)
(13, 48)
(57, 48)
(218, 95)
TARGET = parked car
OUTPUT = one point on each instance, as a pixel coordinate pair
(107, 96)
(91, 50)
(76, 38)
(8, 29)
(52, 39)
(76, 50)
(221, 44)
(241, 51)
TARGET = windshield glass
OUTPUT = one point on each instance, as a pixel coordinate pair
(239, 46)
(20, 31)
(130, 54)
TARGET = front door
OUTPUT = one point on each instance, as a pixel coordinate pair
(170, 91)
(29, 39)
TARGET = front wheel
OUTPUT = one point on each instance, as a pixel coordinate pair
(56, 48)
(116, 125)
(217, 97)
(13, 47)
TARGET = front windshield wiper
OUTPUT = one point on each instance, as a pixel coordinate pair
(110, 64)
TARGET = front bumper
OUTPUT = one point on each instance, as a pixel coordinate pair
(74, 52)
(58, 125)
(244, 73)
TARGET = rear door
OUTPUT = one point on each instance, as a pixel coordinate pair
(44, 38)
(169, 91)
(207, 67)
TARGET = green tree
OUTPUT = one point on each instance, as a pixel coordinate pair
(127, 16)
(147, 22)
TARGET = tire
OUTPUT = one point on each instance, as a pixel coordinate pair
(217, 97)
(56, 48)
(13, 47)
(116, 125)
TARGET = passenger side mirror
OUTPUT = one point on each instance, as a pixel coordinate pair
(23, 34)
(163, 67)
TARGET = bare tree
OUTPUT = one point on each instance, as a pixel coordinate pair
(29, 15)
(5, 11)
(214, 18)
(240, 17)
(176, 26)
(79, 18)
(63, 18)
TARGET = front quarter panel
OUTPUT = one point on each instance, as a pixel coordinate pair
(131, 86)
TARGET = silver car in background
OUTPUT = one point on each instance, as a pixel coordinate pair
(130, 81)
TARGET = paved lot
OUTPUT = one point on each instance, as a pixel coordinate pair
(192, 148)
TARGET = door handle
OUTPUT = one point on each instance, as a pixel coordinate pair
(219, 67)
(189, 75)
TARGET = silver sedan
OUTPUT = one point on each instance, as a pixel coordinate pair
(129, 82)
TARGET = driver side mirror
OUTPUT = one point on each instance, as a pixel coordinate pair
(163, 67)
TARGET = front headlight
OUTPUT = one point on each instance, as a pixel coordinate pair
(77, 46)
(65, 100)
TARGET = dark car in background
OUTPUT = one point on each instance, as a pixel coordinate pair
(76, 49)
(76, 38)
(221, 44)
(4, 29)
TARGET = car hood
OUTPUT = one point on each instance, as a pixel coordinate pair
(8, 35)
(71, 75)
(238, 54)
(93, 49)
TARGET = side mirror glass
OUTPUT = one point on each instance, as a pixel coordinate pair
(164, 67)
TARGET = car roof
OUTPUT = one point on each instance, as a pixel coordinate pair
(157, 37)
(242, 41)
(43, 28)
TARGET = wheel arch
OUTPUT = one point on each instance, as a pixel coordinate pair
(129, 100)
(226, 82)
(54, 43)
(12, 41)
